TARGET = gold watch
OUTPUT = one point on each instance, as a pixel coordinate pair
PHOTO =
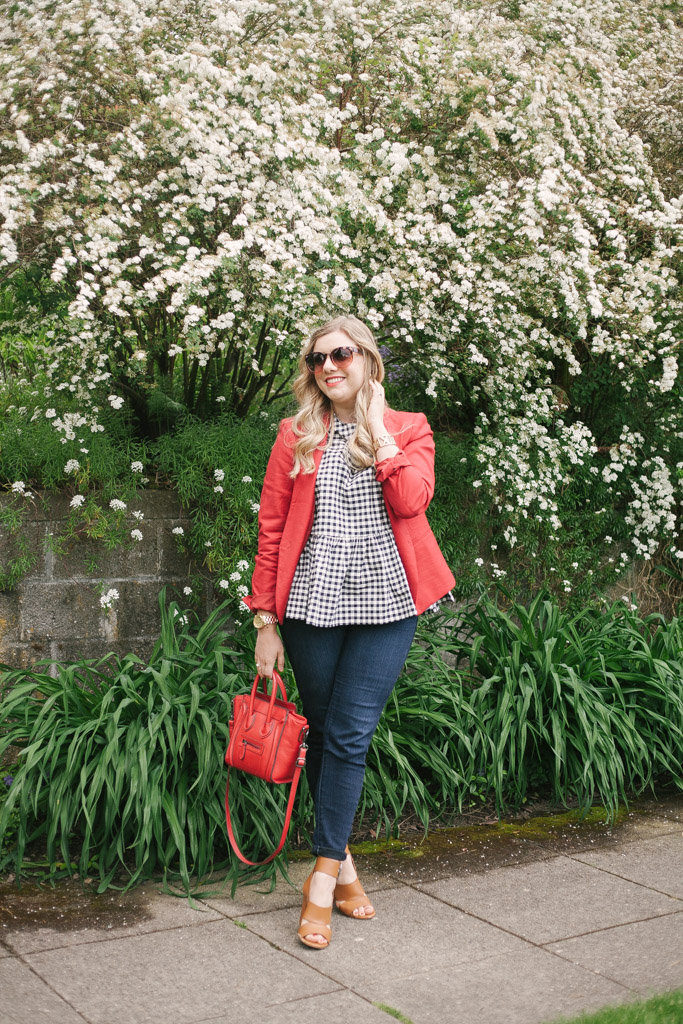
(262, 619)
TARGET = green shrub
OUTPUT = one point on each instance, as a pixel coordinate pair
(120, 761)
(590, 702)
(120, 764)
(582, 708)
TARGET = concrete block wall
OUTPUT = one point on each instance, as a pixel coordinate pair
(55, 610)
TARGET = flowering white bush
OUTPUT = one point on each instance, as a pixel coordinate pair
(475, 179)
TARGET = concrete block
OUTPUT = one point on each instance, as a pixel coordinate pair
(55, 611)
(185, 975)
(89, 559)
(51, 506)
(137, 610)
(528, 986)
(36, 918)
(26, 999)
(337, 1007)
(158, 504)
(9, 622)
(173, 562)
(24, 655)
(65, 651)
(647, 862)
(30, 540)
(646, 956)
(552, 899)
(368, 952)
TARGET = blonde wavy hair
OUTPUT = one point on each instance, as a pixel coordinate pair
(311, 423)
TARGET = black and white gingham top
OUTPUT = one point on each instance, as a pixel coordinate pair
(350, 571)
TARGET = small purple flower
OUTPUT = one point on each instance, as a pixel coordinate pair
(8, 780)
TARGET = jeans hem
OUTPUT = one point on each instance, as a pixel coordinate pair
(322, 851)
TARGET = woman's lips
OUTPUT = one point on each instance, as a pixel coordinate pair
(332, 381)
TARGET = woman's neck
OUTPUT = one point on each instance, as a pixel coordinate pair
(345, 415)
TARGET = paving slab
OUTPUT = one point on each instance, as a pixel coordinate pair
(183, 975)
(638, 828)
(647, 956)
(527, 986)
(552, 899)
(394, 944)
(337, 1007)
(26, 999)
(95, 918)
(655, 862)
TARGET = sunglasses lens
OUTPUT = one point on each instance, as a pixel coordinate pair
(315, 361)
(340, 357)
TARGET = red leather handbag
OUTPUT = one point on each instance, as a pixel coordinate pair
(267, 739)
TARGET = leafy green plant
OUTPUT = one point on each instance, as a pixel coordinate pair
(121, 761)
(217, 469)
(500, 701)
(6, 780)
(594, 700)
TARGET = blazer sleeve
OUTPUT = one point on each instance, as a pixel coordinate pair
(276, 495)
(407, 478)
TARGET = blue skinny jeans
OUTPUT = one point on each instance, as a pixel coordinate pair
(345, 675)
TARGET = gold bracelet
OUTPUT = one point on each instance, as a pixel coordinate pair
(382, 441)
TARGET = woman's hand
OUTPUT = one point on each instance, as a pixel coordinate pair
(376, 406)
(269, 651)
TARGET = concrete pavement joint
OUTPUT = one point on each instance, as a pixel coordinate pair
(623, 878)
(315, 995)
(44, 981)
(117, 938)
(339, 985)
(530, 942)
(610, 927)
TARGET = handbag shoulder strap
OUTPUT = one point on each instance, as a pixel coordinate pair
(288, 814)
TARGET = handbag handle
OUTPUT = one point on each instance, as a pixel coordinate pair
(300, 762)
(277, 685)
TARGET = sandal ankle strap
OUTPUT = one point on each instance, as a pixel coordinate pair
(327, 866)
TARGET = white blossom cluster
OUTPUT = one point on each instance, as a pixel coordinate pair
(472, 187)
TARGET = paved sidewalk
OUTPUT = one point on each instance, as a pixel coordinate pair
(517, 929)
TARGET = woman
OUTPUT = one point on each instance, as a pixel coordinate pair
(346, 562)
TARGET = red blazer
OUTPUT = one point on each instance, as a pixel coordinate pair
(287, 506)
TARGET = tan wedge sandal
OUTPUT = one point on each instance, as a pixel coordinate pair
(315, 920)
(351, 897)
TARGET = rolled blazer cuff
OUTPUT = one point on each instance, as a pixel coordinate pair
(386, 467)
(260, 603)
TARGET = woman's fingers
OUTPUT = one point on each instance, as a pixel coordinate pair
(269, 652)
